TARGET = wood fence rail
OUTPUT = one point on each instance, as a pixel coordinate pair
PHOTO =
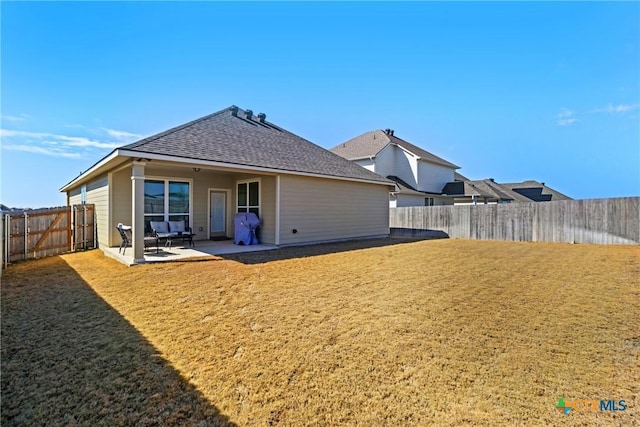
(604, 221)
(43, 232)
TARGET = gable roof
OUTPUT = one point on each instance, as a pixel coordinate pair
(236, 138)
(369, 144)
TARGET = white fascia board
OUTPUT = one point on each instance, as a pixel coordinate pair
(210, 163)
(91, 171)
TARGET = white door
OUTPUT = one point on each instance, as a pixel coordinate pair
(218, 209)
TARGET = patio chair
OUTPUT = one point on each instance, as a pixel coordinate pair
(125, 234)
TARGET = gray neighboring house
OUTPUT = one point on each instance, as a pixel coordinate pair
(487, 191)
(419, 175)
(205, 171)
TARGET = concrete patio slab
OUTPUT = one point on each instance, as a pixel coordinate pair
(201, 248)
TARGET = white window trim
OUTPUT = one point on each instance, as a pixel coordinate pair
(166, 196)
(247, 181)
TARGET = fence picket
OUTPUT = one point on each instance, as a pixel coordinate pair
(603, 221)
(45, 232)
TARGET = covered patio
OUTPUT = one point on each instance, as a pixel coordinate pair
(202, 248)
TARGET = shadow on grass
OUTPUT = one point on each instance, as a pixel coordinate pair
(315, 250)
(68, 358)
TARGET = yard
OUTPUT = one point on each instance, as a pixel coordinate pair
(441, 332)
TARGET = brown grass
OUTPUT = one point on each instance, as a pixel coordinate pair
(444, 332)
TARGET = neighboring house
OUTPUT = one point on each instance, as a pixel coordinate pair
(487, 191)
(418, 174)
(232, 161)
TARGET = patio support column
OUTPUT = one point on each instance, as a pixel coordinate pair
(137, 211)
(277, 239)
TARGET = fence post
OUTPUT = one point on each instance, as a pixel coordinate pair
(73, 228)
(7, 239)
(84, 226)
(26, 235)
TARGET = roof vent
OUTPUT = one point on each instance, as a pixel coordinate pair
(249, 114)
(542, 183)
(234, 110)
(492, 180)
(391, 132)
(262, 117)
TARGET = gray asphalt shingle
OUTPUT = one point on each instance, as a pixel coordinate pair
(236, 140)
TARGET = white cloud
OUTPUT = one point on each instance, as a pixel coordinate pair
(40, 150)
(20, 118)
(70, 146)
(565, 117)
(616, 109)
(122, 135)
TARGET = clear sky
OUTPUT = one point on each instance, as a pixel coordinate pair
(511, 91)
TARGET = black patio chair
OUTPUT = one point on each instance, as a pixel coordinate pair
(125, 234)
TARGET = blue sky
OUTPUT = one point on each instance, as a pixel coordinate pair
(511, 91)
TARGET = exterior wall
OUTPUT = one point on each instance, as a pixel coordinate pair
(74, 197)
(327, 209)
(201, 183)
(120, 203)
(395, 161)
(405, 200)
(267, 231)
(98, 194)
(367, 164)
(432, 177)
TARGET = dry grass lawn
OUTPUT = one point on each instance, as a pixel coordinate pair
(442, 332)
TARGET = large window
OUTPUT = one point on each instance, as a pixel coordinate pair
(249, 197)
(166, 200)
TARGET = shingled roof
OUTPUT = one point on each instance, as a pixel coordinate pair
(526, 191)
(371, 143)
(237, 137)
(521, 187)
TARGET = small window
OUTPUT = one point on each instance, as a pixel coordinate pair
(83, 194)
(428, 201)
(248, 197)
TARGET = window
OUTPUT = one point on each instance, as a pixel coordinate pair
(166, 200)
(428, 201)
(248, 197)
(83, 194)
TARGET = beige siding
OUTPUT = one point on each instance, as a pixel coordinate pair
(75, 196)
(268, 210)
(98, 194)
(120, 203)
(327, 209)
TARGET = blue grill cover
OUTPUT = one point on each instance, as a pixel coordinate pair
(245, 224)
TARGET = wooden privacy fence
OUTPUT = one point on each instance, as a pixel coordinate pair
(603, 221)
(43, 232)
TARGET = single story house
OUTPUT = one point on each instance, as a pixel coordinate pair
(205, 171)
